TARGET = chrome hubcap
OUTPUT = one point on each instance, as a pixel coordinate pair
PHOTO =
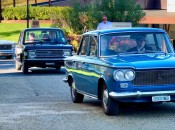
(105, 98)
(73, 89)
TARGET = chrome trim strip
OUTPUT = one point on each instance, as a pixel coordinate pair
(87, 94)
(138, 94)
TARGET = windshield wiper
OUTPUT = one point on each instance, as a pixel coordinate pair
(149, 51)
(132, 52)
(141, 52)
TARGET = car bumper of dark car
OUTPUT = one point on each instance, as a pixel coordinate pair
(45, 62)
(138, 94)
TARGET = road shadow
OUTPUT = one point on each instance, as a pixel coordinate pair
(137, 109)
(34, 72)
(9, 33)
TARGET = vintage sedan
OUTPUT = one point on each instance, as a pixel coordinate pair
(41, 47)
(7, 48)
(111, 67)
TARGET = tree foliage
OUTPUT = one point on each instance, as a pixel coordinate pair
(117, 10)
(89, 15)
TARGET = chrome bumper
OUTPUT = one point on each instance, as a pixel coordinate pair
(139, 94)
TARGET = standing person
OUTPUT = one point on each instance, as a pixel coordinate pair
(105, 24)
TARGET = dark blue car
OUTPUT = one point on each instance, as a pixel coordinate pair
(41, 47)
(123, 65)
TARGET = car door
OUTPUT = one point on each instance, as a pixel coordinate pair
(89, 68)
(79, 75)
(18, 47)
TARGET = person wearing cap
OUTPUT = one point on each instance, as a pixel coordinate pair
(105, 24)
(141, 45)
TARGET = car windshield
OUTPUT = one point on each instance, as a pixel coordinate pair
(45, 36)
(134, 43)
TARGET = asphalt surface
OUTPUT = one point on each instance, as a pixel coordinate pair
(41, 101)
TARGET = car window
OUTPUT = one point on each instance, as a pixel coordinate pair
(84, 45)
(93, 46)
(45, 36)
(20, 38)
(116, 43)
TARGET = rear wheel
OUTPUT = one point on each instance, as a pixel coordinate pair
(110, 107)
(76, 97)
(25, 68)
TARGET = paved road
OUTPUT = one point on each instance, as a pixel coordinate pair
(41, 101)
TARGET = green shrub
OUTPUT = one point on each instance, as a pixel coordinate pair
(88, 16)
(38, 13)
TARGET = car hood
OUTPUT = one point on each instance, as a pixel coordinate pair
(6, 42)
(61, 46)
(143, 61)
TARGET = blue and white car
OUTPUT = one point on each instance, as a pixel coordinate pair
(7, 48)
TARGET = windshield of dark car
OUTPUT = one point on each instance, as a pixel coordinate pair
(45, 36)
(129, 43)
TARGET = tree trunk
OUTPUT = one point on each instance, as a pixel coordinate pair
(36, 2)
(0, 11)
(14, 3)
(49, 2)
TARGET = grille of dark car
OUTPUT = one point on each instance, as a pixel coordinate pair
(158, 77)
(48, 53)
(5, 47)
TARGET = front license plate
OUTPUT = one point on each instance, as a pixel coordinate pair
(50, 63)
(160, 98)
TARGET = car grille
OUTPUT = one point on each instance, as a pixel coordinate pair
(49, 53)
(158, 77)
(5, 47)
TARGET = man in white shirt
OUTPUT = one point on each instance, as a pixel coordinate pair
(105, 24)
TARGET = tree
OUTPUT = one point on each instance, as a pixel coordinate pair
(89, 15)
(117, 10)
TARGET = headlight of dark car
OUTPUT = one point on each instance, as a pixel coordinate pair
(124, 75)
(67, 53)
(31, 54)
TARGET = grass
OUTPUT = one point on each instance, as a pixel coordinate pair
(11, 31)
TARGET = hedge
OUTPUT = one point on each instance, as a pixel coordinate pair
(37, 13)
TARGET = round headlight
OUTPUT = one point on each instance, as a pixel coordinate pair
(118, 75)
(66, 52)
(129, 75)
(32, 54)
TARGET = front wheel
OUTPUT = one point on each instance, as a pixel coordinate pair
(76, 97)
(25, 68)
(110, 107)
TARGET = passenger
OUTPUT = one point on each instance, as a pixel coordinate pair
(52, 35)
(31, 37)
(105, 51)
(46, 37)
